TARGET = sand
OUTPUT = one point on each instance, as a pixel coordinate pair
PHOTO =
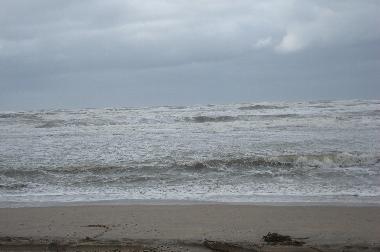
(185, 227)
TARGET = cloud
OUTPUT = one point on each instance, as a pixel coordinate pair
(291, 42)
(329, 24)
(44, 41)
(176, 31)
(263, 42)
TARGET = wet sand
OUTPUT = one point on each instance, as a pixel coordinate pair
(186, 227)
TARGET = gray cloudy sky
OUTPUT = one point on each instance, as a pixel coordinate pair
(99, 53)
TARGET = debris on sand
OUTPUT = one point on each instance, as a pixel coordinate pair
(275, 238)
(98, 226)
(88, 239)
(226, 247)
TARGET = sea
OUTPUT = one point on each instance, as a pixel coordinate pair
(316, 152)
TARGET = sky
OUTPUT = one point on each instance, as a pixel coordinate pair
(117, 53)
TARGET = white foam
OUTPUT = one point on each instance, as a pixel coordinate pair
(325, 150)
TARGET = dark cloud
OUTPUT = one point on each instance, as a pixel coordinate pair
(120, 53)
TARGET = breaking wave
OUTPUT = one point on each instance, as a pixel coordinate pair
(307, 160)
(331, 160)
(75, 123)
(206, 119)
(16, 186)
(51, 124)
(203, 119)
(312, 174)
(20, 115)
(279, 116)
(258, 106)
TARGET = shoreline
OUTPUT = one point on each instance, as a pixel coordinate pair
(153, 202)
(174, 227)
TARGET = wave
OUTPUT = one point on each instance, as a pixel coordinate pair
(322, 106)
(304, 160)
(16, 186)
(258, 106)
(195, 119)
(373, 113)
(273, 164)
(206, 119)
(76, 123)
(276, 116)
(7, 116)
(370, 113)
(96, 169)
(51, 124)
(356, 104)
(203, 119)
(176, 107)
(99, 122)
(20, 115)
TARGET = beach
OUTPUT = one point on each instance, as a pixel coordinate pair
(186, 227)
(198, 126)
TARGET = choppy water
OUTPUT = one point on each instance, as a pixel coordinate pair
(309, 151)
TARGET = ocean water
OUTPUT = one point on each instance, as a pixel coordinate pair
(325, 151)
